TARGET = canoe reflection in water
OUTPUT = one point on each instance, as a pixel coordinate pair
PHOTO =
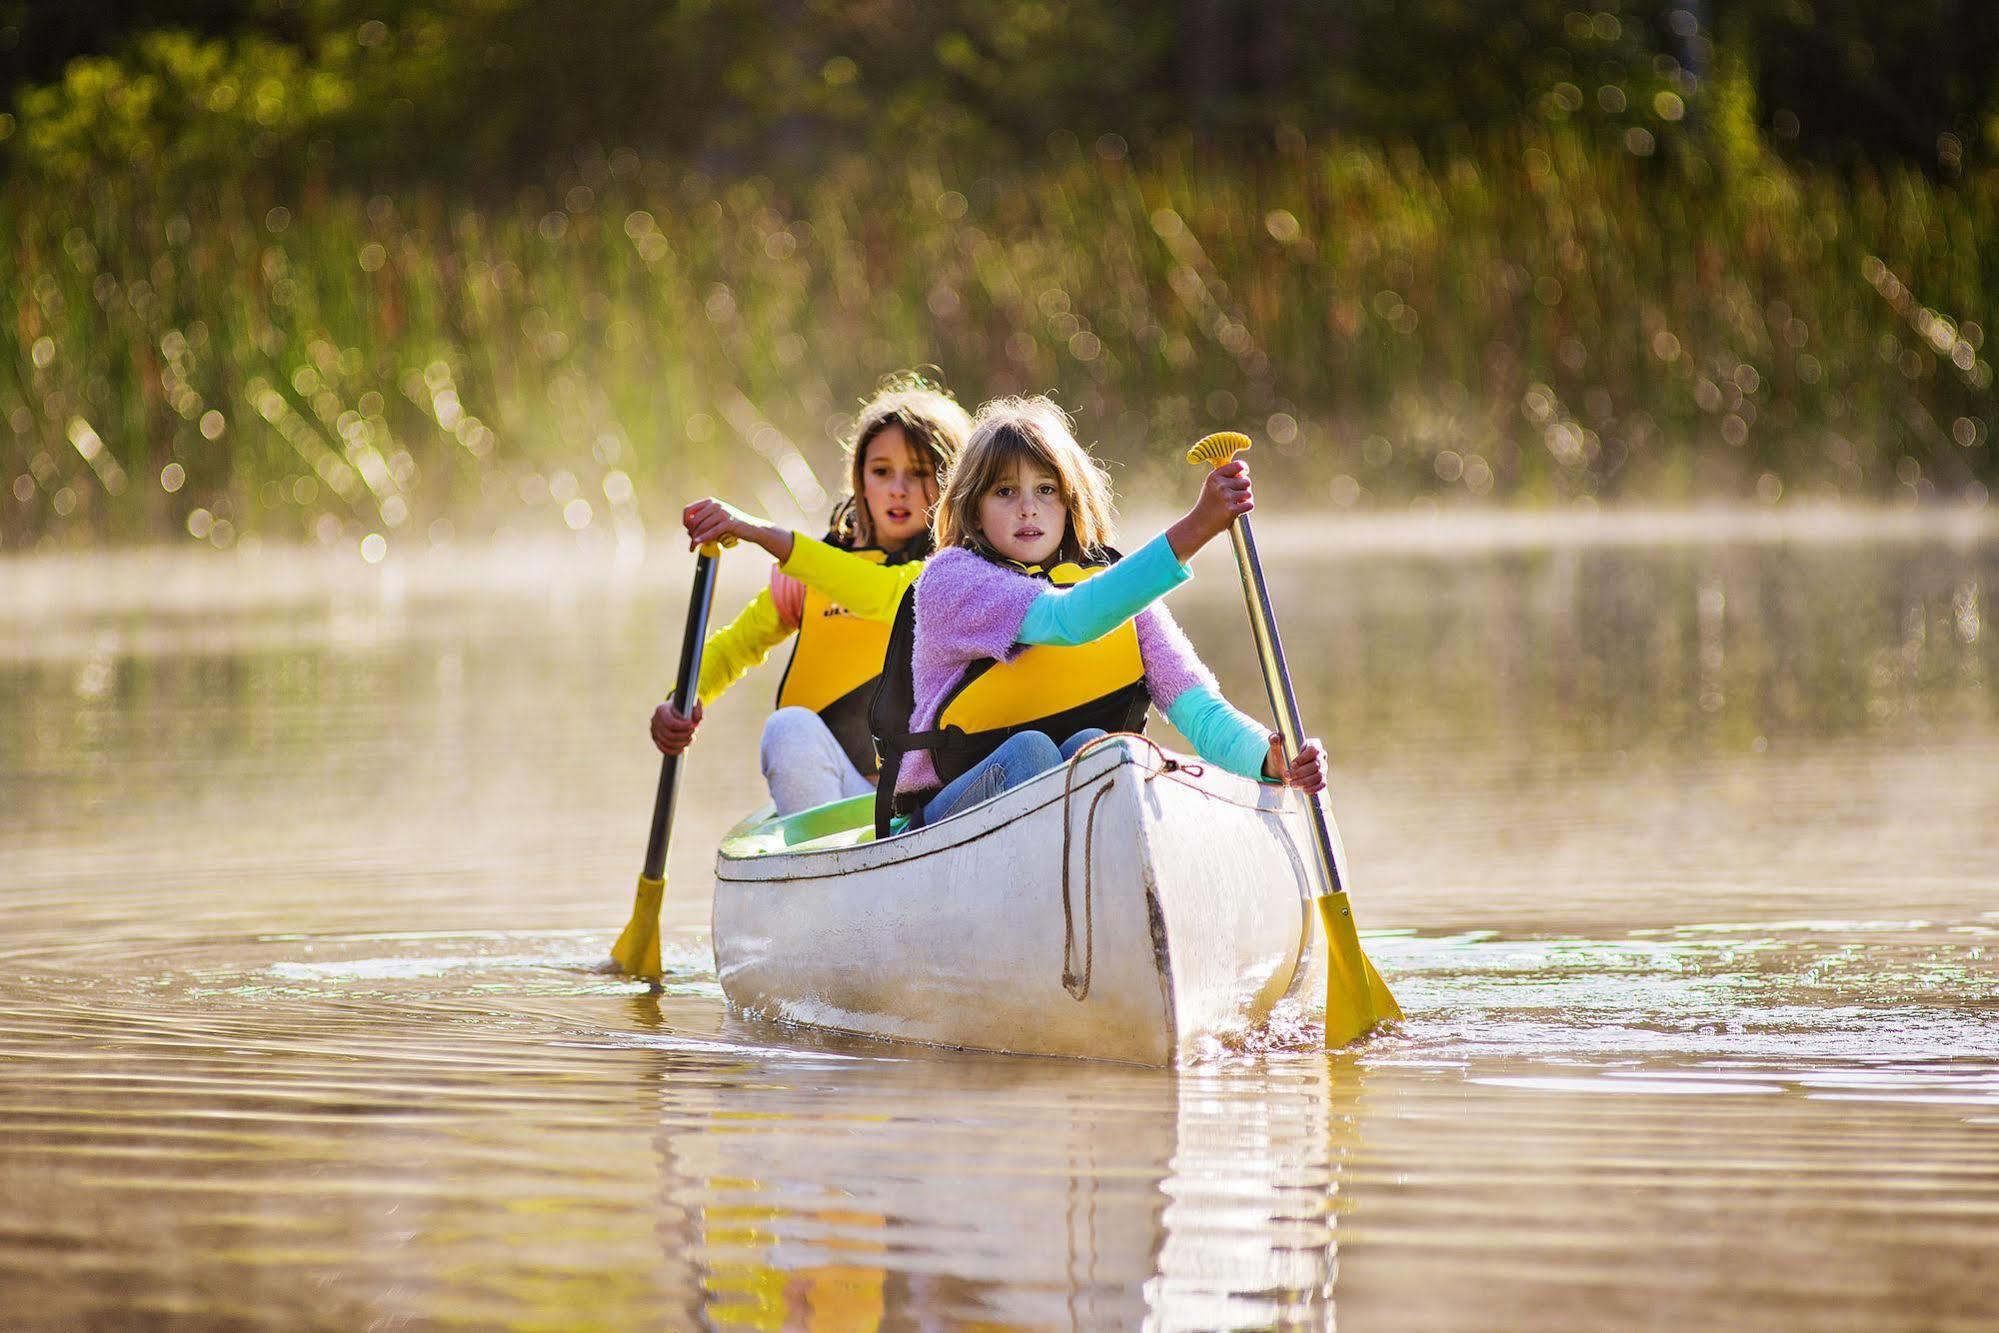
(1162, 1200)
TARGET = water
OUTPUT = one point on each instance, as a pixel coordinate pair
(1676, 849)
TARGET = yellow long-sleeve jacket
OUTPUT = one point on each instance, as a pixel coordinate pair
(864, 587)
(851, 599)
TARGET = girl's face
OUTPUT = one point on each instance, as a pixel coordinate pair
(1023, 516)
(898, 486)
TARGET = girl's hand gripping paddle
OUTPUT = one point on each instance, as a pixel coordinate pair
(1357, 1000)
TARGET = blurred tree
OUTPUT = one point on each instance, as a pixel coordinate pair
(38, 39)
(181, 106)
(1846, 80)
(498, 90)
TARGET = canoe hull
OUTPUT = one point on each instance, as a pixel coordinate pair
(1185, 918)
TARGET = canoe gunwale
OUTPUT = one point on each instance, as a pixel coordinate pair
(1052, 786)
(950, 834)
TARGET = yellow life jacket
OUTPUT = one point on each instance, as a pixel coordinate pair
(1056, 690)
(834, 665)
(1044, 681)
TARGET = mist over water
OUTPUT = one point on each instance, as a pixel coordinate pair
(1676, 851)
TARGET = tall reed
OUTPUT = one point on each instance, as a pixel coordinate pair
(1543, 319)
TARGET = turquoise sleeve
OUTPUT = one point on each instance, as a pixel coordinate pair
(1221, 733)
(1085, 612)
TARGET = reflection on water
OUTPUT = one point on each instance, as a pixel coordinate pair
(1678, 858)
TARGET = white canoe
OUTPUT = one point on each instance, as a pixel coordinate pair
(1195, 923)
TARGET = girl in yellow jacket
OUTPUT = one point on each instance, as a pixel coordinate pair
(838, 596)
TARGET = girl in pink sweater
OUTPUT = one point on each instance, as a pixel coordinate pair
(1024, 496)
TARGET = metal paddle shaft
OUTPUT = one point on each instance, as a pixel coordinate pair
(1283, 700)
(685, 684)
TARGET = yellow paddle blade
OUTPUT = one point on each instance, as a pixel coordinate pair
(1357, 999)
(1385, 1007)
(637, 951)
(1211, 451)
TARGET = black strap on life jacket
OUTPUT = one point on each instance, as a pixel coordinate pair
(890, 709)
(952, 749)
(847, 718)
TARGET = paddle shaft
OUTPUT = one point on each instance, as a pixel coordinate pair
(684, 687)
(1283, 700)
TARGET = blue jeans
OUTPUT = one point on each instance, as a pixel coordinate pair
(1021, 756)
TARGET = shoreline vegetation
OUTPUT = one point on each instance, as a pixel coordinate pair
(1542, 319)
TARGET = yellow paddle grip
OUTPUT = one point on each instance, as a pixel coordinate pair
(1211, 451)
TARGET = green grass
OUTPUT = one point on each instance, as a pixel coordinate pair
(1540, 320)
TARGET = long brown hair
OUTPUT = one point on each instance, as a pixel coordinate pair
(930, 419)
(1006, 433)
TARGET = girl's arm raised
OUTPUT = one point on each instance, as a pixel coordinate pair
(1094, 608)
(1225, 497)
(869, 590)
(711, 520)
(1086, 611)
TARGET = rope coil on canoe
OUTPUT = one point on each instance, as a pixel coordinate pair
(1075, 981)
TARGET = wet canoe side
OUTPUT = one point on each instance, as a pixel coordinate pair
(954, 934)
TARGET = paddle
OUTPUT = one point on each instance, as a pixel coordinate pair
(1357, 1000)
(637, 951)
